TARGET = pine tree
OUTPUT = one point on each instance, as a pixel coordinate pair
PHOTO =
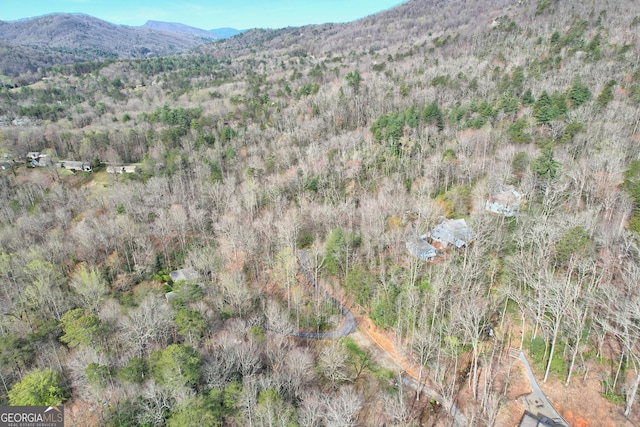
(579, 93)
(542, 109)
(432, 114)
(527, 98)
(606, 95)
(545, 165)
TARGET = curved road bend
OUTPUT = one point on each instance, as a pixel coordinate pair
(349, 324)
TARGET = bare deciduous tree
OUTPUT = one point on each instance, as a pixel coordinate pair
(333, 363)
(151, 321)
(342, 408)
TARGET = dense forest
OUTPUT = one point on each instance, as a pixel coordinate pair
(289, 174)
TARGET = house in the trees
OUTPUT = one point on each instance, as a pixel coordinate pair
(420, 248)
(179, 275)
(184, 274)
(170, 296)
(76, 166)
(37, 159)
(505, 200)
(452, 232)
(122, 168)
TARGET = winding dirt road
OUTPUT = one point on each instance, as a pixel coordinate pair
(349, 325)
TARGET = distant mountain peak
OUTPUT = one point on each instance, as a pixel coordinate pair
(176, 27)
(226, 32)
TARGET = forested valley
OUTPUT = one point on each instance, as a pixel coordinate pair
(289, 175)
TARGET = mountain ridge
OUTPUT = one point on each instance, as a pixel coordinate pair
(60, 38)
(177, 27)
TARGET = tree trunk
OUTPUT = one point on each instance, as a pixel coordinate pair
(556, 327)
(474, 372)
(523, 330)
(631, 395)
(615, 379)
(573, 361)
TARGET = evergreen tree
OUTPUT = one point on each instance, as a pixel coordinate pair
(517, 132)
(543, 109)
(545, 165)
(353, 80)
(527, 98)
(509, 102)
(135, 371)
(606, 95)
(517, 80)
(579, 93)
(575, 242)
(431, 114)
(558, 105)
(97, 375)
(176, 366)
(335, 252)
(632, 186)
(80, 328)
(190, 323)
(519, 163)
(198, 410)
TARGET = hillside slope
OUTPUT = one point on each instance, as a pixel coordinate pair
(370, 146)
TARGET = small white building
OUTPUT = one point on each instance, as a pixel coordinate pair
(76, 166)
(131, 168)
(37, 159)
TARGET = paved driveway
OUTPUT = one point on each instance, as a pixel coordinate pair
(536, 402)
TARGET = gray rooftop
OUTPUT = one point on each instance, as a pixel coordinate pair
(530, 420)
(420, 248)
(452, 232)
(184, 274)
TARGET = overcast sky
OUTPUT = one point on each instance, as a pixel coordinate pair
(239, 14)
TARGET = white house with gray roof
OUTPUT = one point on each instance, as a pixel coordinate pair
(73, 165)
